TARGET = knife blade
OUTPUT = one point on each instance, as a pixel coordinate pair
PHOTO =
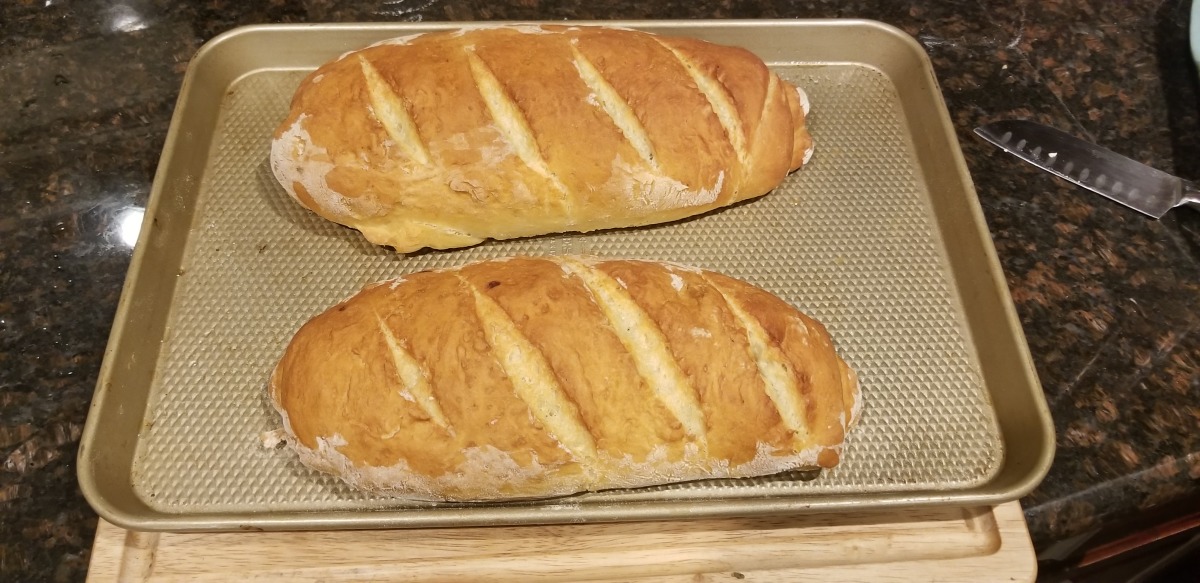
(1098, 169)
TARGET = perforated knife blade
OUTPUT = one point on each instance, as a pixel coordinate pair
(1098, 169)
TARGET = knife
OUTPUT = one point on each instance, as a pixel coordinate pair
(1129, 182)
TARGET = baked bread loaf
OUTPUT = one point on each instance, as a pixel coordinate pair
(445, 139)
(536, 377)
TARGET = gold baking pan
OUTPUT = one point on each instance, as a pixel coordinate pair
(880, 237)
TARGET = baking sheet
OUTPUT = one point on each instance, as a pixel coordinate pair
(880, 238)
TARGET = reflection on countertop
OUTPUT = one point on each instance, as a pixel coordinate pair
(1110, 301)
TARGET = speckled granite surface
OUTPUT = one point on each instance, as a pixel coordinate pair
(1110, 301)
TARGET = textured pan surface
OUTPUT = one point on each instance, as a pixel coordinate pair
(867, 265)
(853, 239)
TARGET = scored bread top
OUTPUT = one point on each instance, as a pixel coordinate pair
(549, 376)
(445, 139)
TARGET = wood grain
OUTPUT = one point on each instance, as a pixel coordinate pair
(920, 545)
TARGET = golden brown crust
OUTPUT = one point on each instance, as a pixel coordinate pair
(547, 376)
(809, 355)
(449, 138)
(694, 319)
(538, 297)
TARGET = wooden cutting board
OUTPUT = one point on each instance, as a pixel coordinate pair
(982, 544)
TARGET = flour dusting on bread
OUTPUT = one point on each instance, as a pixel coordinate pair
(490, 474)
(296, 160)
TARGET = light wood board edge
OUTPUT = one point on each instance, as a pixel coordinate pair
(921, 545)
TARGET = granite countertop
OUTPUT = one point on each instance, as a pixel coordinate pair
(1109, 300)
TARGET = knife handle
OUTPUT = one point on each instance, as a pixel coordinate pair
(1191, 195)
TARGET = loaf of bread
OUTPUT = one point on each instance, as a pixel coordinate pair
(536, 377)
(446, 139)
